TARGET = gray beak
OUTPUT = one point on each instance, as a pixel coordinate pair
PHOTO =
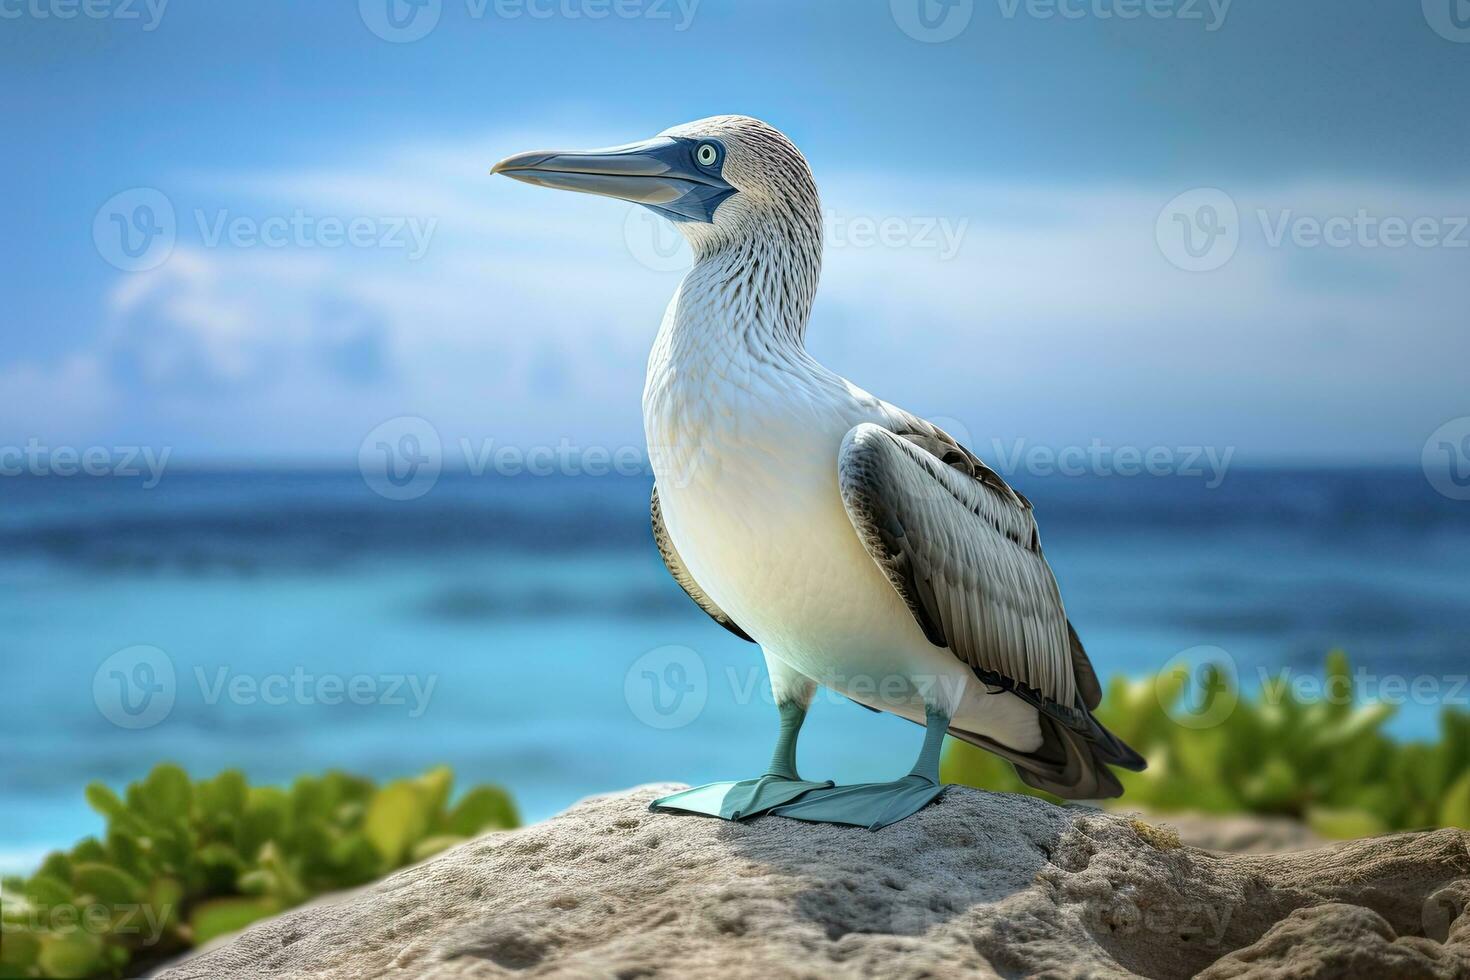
(661, 174)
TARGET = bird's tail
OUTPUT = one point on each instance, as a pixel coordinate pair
(1069, 763)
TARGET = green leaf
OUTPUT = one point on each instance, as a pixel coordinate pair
(355, 859)
(264, 819)
(436, 785)
(70, 954)
(1454, 811)
(396, 818)
(128, 852)
(58, 865)
(222, 799)
(46, 891)
(105, 801)
(106, 884)
(19, 951)
(222, 916)
(166, 793)
(89, 849)
(491, 808)
(166, 901)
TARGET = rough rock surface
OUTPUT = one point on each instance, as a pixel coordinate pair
(978, 883)
(1237, 833)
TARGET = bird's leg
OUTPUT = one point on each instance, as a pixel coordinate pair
(783, 759)
(778, 785)
(926, 767)
(876, 805)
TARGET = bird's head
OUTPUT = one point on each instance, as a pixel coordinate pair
(721, 180)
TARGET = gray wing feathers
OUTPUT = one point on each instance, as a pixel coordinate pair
(676, 568)
(962, 549)
(965, 556)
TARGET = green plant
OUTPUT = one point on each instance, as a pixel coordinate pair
(1320, 756)
(183, 861)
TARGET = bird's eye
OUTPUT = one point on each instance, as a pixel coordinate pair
(706, 154)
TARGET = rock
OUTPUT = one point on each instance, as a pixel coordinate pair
(1237, 833)
(983, 883)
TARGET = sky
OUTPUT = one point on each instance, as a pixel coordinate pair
(256, 231)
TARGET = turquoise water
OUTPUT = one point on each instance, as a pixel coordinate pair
(498, 624)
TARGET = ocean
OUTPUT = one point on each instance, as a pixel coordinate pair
(524, 631)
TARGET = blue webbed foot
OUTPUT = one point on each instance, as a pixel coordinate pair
(737, 800)
(871, 805)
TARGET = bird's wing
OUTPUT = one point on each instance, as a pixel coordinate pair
(681, 574)
(962, 549)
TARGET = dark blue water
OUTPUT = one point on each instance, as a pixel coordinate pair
(498, 624)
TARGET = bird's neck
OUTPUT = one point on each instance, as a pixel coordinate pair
(753, 294)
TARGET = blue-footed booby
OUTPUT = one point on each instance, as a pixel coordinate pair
(860, 546)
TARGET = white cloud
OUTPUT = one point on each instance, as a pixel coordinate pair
(529, 316)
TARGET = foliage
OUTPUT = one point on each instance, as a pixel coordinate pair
(184, 861)
(1316, 753)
